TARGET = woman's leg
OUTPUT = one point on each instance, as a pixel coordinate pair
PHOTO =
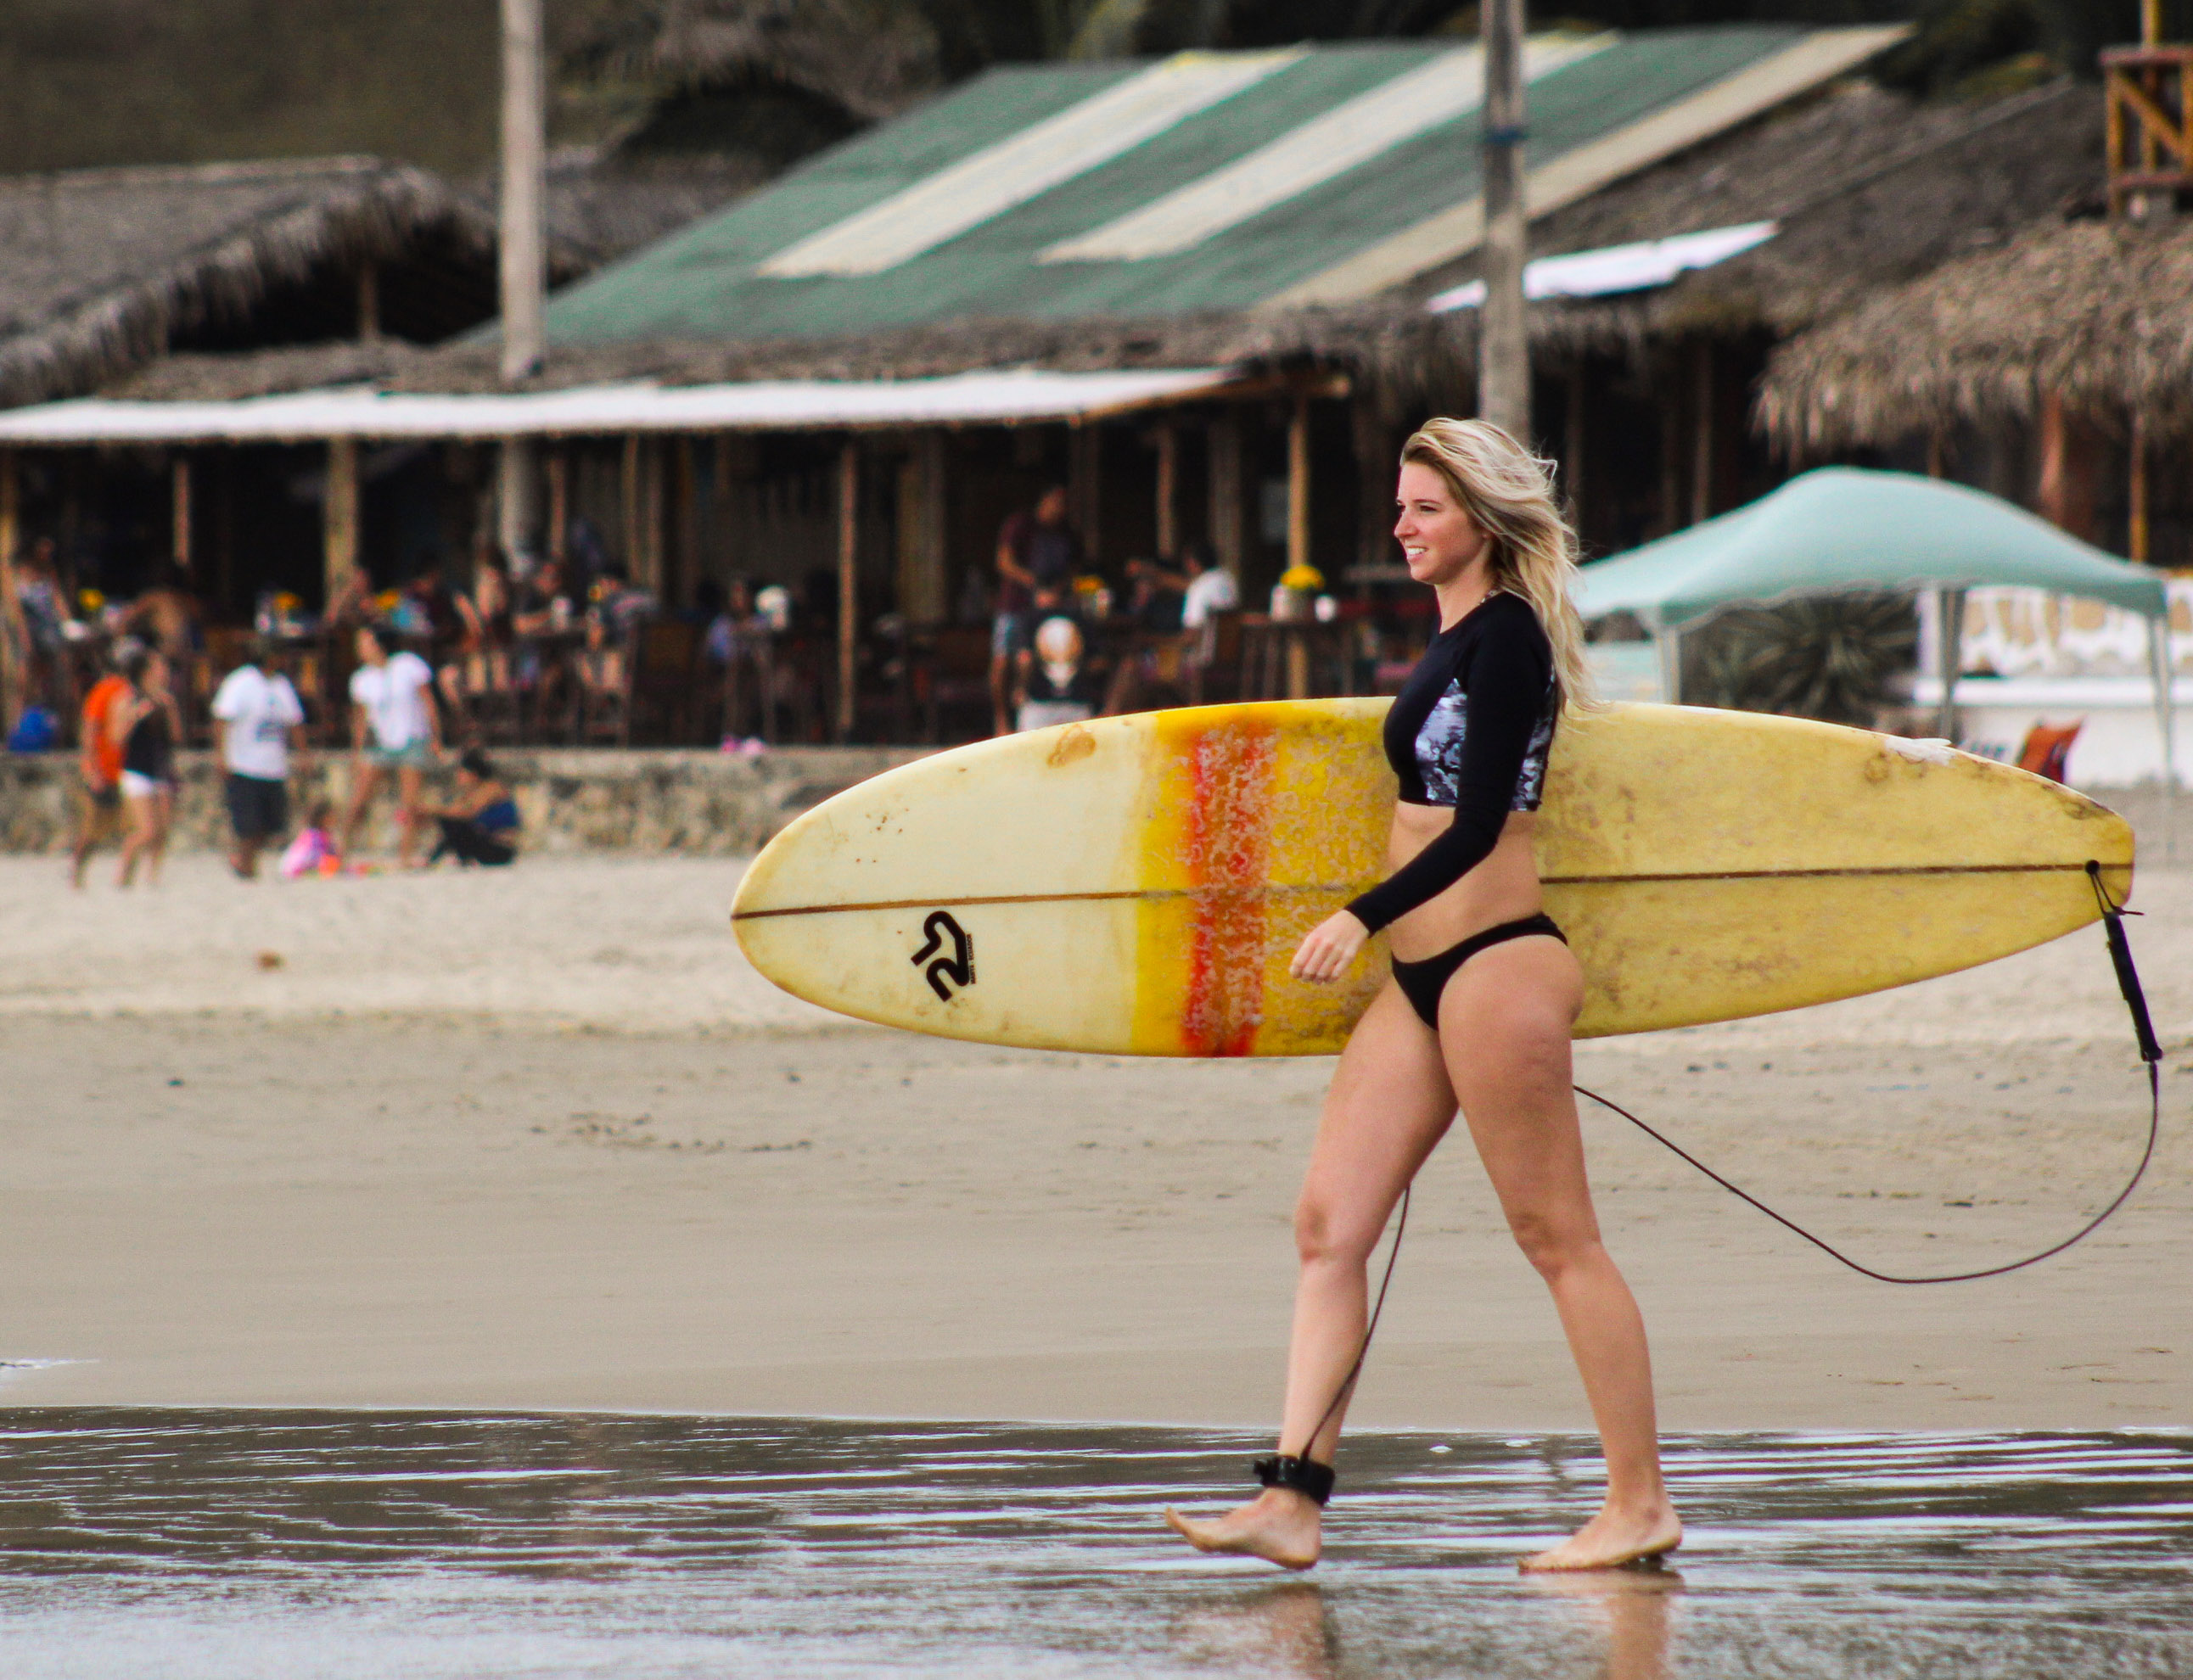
(140, 819)
(364, 781)
(1388, 1106)
(163, 817)
(1504, 1024)
(408, 783)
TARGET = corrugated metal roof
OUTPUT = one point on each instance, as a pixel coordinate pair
(1206, 182)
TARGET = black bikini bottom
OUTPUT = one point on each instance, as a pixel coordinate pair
(1421, 983)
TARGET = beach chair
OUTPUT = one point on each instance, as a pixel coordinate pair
(2047, 748)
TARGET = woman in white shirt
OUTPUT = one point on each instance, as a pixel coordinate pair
(393, 725)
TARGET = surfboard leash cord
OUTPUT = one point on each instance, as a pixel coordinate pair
(2150, 1052)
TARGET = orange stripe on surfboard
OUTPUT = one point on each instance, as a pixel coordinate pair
(1229, 776)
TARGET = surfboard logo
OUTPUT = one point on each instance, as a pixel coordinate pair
(946, 972)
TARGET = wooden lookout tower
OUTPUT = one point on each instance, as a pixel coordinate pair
(2149, 90)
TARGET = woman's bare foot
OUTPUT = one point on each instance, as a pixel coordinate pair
(1614, 1538)
(1280, 1526)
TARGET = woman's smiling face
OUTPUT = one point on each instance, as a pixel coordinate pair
(1439, 538)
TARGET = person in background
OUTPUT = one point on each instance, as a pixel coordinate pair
(1210, 589)
(99, 798)
(42, 613)
(395, 726)
(144, 724)
(261, 720)
(480, 824)
(616, 611)
(352, 604)
(1037, 555)
(168, 616)
(1056, 686)
(481, 664)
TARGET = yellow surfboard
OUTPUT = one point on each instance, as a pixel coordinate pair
(1137, 884)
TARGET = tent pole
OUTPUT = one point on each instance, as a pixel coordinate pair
(1949, 656)
(1667, 641)
(2166, 710)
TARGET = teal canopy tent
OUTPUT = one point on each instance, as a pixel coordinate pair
(1843, 527)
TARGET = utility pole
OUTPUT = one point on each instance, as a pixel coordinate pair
(1503, 345)
(523, 250)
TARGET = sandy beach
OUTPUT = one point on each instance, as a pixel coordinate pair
(541, 1140)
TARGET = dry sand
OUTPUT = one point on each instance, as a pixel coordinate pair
(541, 1138)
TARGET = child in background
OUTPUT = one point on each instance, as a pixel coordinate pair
(311, 853)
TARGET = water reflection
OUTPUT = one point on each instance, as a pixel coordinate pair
(240, 1544)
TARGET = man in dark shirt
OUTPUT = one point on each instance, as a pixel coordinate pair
(1037, 555)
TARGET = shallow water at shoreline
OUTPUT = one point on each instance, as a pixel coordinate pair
(248, 1544)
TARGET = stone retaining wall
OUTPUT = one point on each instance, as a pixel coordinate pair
(599, 799)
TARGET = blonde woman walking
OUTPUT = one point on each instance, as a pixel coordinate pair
(1477, 1014)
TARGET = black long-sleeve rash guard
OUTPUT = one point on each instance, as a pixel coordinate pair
(1471, 728)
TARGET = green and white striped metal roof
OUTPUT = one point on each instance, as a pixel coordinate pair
(1205, 181)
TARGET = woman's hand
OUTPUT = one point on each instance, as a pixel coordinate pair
(1329, 947)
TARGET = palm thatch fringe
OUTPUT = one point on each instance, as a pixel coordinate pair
(1401, 355)
(153, 270)
(2098, 314)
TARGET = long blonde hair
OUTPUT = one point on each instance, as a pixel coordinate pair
(1510, 493)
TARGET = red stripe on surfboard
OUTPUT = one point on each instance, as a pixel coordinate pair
(1228, 832)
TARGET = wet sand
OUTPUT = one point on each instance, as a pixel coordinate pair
(542, 1140)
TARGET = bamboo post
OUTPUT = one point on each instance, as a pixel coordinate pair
(2135, 522)
(1085, 487)
(1168, 490)
(178, 509)
(849, 585)
(629, 498)
(1701, 432)
(1503, 355)
(1298, 535)
(929, 458)
(653, 548)
(1226, 490)
(339, 516)
(1949, 656)
(558, 468)
(368, 302)
(11, 535)
(1572, 444)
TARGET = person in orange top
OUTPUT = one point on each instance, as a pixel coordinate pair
(99, 798)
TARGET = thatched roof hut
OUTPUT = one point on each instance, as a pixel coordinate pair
(2098, 315)
(1869, 189)
(106, 269)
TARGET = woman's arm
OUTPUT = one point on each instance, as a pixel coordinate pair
(1506, 683)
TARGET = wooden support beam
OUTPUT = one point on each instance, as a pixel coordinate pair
(11, 538)
(922, 587)
(1298, 546)
(178, 509)
(558, 470)
(1374, 480)
(629, 493)
(339, 516)
(1168, 442)
(1703, 440)
(1226, 522)
(2137, 541)
(1572, 445)
(849, 585)
(1084, 493)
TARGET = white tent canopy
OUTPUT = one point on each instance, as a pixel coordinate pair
(992, 397)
